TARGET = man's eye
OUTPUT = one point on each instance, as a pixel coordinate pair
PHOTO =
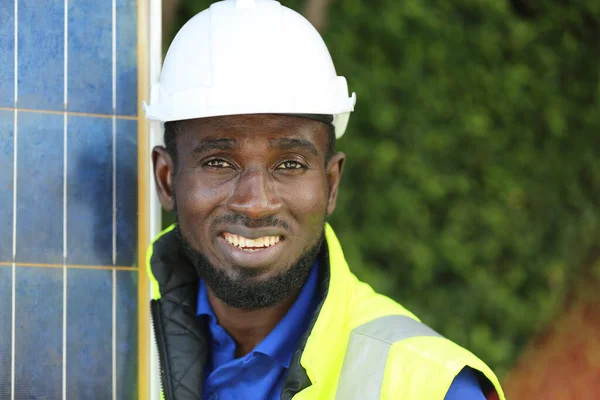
(290, 165)
(218, 164)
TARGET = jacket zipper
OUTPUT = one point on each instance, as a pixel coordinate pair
(159, 335)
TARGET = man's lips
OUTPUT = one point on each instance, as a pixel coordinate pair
(261, 242)
(257, 248)
(252, 233)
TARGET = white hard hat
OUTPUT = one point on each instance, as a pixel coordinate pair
(249, 57)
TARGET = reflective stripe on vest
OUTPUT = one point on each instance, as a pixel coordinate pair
(367, 353)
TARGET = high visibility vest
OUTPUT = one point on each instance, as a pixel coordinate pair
(360, 345)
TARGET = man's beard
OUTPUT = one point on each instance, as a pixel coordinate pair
(243, 291)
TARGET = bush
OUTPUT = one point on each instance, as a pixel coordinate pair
(472, 188)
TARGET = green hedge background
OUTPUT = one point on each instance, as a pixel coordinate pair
(472, 189)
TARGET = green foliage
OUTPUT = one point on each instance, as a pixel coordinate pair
(472, 187)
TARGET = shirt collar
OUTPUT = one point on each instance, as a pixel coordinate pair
(281, 343)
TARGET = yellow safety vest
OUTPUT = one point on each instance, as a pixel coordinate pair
(365, 346)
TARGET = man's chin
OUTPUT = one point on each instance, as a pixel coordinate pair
(251, 287)
(248, 275)
(254, 287)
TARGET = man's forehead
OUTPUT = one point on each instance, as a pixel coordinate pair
(254, 125)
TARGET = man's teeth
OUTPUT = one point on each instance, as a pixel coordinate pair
(242, 242)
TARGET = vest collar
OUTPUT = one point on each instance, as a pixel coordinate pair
(326, 336)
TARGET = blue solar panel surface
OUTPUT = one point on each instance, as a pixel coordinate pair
(68, 199)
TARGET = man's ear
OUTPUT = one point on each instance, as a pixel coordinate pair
(335, 166)
(163, 177)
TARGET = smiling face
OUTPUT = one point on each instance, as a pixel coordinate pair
(252, 193)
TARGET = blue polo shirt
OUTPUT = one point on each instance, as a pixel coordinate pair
(260, 374)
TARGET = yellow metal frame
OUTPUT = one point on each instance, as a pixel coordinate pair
(143, 203)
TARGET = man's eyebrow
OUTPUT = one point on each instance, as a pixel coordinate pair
(207, 145)
(293, 143)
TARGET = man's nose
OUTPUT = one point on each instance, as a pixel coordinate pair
(255, 195)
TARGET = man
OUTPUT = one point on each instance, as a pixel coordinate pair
(253, 297)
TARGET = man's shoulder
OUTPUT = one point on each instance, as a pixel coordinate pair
(414, 355)
(366, 305)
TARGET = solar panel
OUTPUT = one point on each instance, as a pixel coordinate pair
(68, 199)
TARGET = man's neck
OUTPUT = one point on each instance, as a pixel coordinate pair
(249, 327)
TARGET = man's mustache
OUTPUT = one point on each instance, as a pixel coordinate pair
(240, 219)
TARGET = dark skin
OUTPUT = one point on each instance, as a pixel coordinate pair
(260, 166)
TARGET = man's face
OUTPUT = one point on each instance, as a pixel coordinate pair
(251, 192)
